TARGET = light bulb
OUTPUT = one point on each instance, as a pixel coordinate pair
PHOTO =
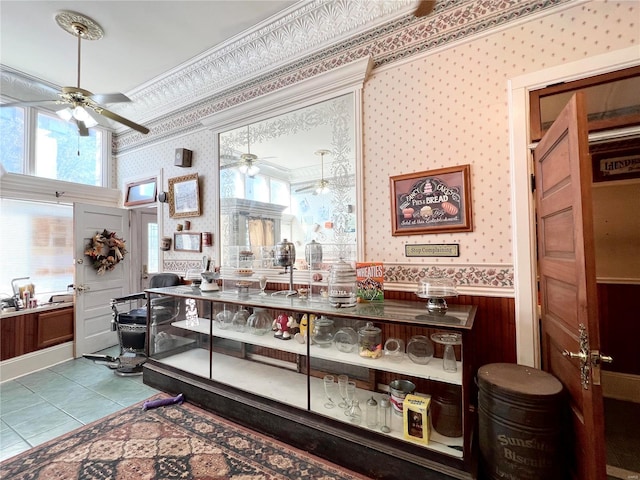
(79, 113)
(65, 114)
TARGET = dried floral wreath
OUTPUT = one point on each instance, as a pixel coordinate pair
(106, 250)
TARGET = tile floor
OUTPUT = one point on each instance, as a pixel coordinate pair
(40, 406)
(43, 405)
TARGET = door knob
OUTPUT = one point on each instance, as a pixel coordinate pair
(580, 355)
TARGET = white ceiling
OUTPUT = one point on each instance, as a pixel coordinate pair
(142, 39)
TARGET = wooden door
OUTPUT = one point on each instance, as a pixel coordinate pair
(93, 291)
(570, 336)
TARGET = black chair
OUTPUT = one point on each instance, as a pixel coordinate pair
(132, 326)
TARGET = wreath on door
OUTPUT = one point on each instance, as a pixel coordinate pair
(106, 250)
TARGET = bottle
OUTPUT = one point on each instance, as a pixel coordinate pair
(385, 414)
(355, 412)
(372, 413)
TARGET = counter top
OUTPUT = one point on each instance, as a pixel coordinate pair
(40, 308)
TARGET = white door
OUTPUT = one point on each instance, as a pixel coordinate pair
(93, 291)
(149, 251)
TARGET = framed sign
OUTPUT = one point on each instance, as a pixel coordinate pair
(187, 242)
(435, 201)
(184, 196)
(140, 192)
(616, 161)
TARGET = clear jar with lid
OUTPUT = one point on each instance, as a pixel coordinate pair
(322, 333)
(342, 285)
(259, 322)
(370, 341)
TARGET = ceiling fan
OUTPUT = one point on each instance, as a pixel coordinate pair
(323, 185)
(83, 107)
(247, 163)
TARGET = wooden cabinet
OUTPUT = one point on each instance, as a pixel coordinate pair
(54, 327)
(276, 385)
(29, 331)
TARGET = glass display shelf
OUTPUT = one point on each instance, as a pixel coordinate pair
(286, 386)
(458, 317)
(431, 371)
(290, 372)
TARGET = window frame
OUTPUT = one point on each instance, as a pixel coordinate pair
(30, 137)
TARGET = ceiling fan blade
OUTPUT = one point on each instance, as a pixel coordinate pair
(31, 103)
(304, 189)
(115, 117)
(424, 8)
(110, 98)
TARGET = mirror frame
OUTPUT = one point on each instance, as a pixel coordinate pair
(342, 80)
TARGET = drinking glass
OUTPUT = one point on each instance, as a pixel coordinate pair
(263, 285)
(351, 396)
(329, 390)
(343, 380)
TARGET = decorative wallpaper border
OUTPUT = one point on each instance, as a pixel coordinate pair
(462, 275)
(396, 40)
(481, 276)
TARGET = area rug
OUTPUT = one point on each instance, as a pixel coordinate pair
(172, 442)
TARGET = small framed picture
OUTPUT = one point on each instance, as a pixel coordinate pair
(434, 201)
(184, 196)
(187, 242)
(141, 192)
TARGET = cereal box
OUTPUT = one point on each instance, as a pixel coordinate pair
(370, 281)
(417, 425)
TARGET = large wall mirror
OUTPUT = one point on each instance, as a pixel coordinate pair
(290, 166)
(293, 177)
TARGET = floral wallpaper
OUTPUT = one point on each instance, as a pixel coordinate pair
(437, 97)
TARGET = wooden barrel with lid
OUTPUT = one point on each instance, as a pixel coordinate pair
(521, 420)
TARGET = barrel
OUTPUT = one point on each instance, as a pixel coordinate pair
(521, 423)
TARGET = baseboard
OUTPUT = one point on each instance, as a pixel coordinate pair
(34, 361)
(621, 386)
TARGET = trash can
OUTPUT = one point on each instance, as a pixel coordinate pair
(521, 423)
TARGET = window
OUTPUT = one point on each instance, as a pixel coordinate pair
(612, 101)
(62, 154)
(38, 245)
(58, 152)
(12, 138)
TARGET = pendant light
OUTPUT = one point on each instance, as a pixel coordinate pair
(248, 166)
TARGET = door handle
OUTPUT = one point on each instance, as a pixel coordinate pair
(590, 360)
(580, 355)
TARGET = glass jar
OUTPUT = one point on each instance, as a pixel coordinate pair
(420, 349)
(239, 322)
(394, 349)
(259, 322)
(322, 333)
(372, 413)
(225, 319)
(342, 285)
(346, 339)
(313, 255)
(370, 341)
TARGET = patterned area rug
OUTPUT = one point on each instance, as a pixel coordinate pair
(172, 442)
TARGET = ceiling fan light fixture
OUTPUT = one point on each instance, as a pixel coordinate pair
(250, 170)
